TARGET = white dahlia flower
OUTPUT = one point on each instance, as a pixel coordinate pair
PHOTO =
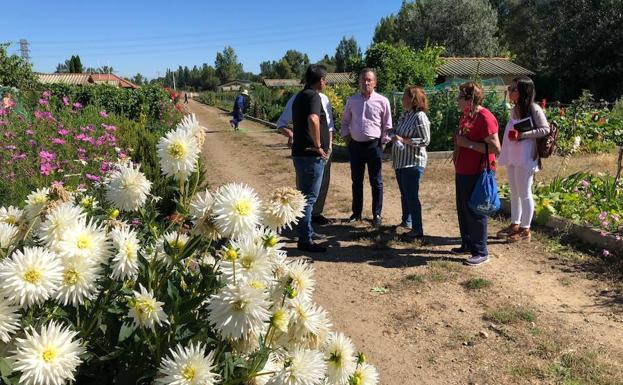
(366, 374)
(251, 264)
(301, 367)
(340, 357)
(36, 202)
(237, 311)
(31, 276)
(58, 221)
(178, 151)
(125, 261)
(175, 241)
(9, 320)
(80, 275)
(48, 357)
(309, 324)
(236, 210)
(283, 208)
(8, 235)
(301, 276)
(145, 310)
(188, 366)
(11, 215)
(86, 240)
(127, 187)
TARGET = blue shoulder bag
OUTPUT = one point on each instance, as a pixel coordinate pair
(485, 199)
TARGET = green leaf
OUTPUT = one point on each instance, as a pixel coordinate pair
(126, 331)
(380, 290)
(172, 291)
(5, 367)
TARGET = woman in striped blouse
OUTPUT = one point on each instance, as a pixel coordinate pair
(410, 139)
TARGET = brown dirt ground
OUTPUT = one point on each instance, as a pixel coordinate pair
(405, 305)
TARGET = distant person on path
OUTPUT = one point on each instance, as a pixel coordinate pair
(409, 157)
(185, 98)
(475, 143)
(519, 155)
(310, 145)
(240, 106)
(282, 125)
(367, 118)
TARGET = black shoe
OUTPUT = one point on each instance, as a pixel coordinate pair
(321, 237)
(354, 218)
(377, 221)
(311, 247)
(320, 220)
(459, 250)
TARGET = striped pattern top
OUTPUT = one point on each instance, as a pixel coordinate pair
(415, 126)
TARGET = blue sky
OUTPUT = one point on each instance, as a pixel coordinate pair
(151, 36)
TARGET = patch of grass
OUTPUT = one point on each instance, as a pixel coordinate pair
(477, 283)
(565, 281)
(437, 276)
(415, 278)
(548, 349)
(584, 368)
(510, 315)
(524, 370)
(445, 265)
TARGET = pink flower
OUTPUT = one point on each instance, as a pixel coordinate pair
(63, 132)
(9, 134)
(33, 143)
(45, 168)
(57, 183)
(82, 151)
(603, 234)
(65, 100)
(10, 147)
(104, 167)
(618, 237)
(82, 186)
(605, 253)
(43, 102)
(46, 94)
(94, 178)
(588, 195)
(602, 216)
(77, 105)
(585, 183)
(109, 128)
(103, 114)
(4, 123)
(21, 156)
(135, 222)
(30, 132)
(3, 112)
(58, 141)
(47, 156)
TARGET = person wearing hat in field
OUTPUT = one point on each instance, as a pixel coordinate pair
(240, 106)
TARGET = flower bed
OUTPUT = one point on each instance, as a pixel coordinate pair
(100, 287)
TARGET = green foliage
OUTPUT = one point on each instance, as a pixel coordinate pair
(291, 66)
(150, 103)
(226, 65)
(586, 127)
(15, 71)
(464, 28)
(509, 315)
(477, 283)
(400, 66)
(346, 54)
(584, 198)
(72, 65)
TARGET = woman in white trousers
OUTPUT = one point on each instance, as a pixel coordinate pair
(519, 155)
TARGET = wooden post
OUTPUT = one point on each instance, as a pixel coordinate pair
(619, 165)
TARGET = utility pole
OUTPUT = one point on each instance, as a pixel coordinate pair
(23, 48)
(173, 74)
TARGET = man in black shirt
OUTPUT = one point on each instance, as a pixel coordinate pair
(310, 146)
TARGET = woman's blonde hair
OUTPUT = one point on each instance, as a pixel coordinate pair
(472, 91)
(419, 101)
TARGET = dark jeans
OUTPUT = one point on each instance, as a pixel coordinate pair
(309, 170)
(473, 226)
(324, 189)
(409, 184)
(362, 154)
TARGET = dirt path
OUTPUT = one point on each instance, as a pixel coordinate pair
(544, 318)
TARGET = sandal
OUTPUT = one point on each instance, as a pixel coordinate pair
(521, 235)
(507, 231)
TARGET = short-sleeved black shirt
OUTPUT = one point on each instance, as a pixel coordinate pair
(308, 102)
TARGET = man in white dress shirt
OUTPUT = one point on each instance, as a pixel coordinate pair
(282, 126)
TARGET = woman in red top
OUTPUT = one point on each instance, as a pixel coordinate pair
(475, 142)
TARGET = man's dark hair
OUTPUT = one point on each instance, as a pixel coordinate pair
(314, 73)
(365, 71)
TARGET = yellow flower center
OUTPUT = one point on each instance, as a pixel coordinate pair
(356, 379)
(243, 208)
(231, 254)
(87, 203)
(256, 285)
(144, 308)
(114, 214)
(40, 199)
(177, 151)
(49, 354)
(71, 277)
(239, 305)
(189, 373)
(246, 262)
(83, 242)
(33, 276)
(177, 244)
(129, 249)
(270, 241)
(11, 220)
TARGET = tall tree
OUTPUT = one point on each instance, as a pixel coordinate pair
(463, 27)
(15, 71)
(75, 65)
(297, 63)
(226, 65)
(346, 53)
(385, 31)
(328, 62)
(138, 79)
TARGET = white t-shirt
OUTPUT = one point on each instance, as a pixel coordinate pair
(286, 115)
